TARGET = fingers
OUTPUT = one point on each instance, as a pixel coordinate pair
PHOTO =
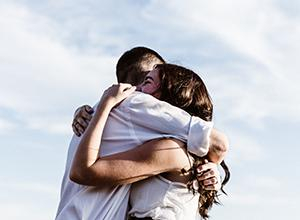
(76, 131)
(124, 85)
(77, 128)
(207, 174)
(88, 109)
(87, 112)
(129, 90)
(117, 93)
(80, 128)
(210, 181)
(81, 120)
(126, 88)
(216, 186)
(205, 167)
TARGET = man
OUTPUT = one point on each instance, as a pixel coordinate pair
(80, 202)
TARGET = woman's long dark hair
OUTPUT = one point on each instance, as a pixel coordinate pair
(183, 88)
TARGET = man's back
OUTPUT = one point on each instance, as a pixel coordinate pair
(137, 119)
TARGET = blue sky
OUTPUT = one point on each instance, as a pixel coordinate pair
(57, 55)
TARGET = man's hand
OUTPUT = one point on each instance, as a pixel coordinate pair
(113, 95)
(209, 175)
(82, 117)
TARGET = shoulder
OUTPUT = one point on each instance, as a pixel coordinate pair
(168, 151)
(139, 98)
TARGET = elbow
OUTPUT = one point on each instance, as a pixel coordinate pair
(218, 148)
(76, 177)
(89, 177)
(81, 176)
(223, 145)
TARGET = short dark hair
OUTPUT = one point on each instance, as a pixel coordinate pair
(130, 65)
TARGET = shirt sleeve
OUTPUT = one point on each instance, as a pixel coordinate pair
(164, 118)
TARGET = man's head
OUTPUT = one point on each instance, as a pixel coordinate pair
(134, 64)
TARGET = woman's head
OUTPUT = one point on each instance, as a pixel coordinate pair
(183, 88)
(151, 84)
(180, 87)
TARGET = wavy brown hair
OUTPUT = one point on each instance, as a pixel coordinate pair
(183, 88)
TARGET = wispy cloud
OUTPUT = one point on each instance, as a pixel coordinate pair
(256, 77)
(56, 55)
(41, 76)
(27, 200)
(6, 126)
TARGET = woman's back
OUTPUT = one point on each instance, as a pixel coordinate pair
(160, 198)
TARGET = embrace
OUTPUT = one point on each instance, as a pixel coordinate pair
(147, 150)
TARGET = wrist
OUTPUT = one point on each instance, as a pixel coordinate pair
(105, 106)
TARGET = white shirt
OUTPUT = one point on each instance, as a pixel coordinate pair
(137, 119)
(162, 199)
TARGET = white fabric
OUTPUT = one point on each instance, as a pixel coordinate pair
(137, 119)
(159, 198)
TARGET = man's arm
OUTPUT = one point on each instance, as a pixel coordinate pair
(218, 146)
(218, 142)
(147, 112)
(86, 165)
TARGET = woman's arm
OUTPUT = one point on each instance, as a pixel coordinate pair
(151, 158)
(147, 160)
(89, 146)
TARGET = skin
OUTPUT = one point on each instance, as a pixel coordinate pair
(210, 175)
(151, 84)
(89, 169)
(158, 156)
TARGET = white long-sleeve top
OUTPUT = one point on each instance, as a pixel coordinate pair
(138, 119)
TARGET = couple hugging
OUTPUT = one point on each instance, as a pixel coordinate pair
(147, 150)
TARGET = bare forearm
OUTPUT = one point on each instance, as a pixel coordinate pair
(151, 158)
(88, 149)
(86, 156)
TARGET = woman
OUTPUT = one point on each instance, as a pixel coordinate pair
(179, 87)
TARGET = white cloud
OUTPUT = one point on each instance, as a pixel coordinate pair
(58, 54)
(257, 77)
(27, 200)
(30, 188)
(41, 77)
(6, 126)
(53, 125)
(244, 148)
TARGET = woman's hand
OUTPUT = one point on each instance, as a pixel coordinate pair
(115, 94)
